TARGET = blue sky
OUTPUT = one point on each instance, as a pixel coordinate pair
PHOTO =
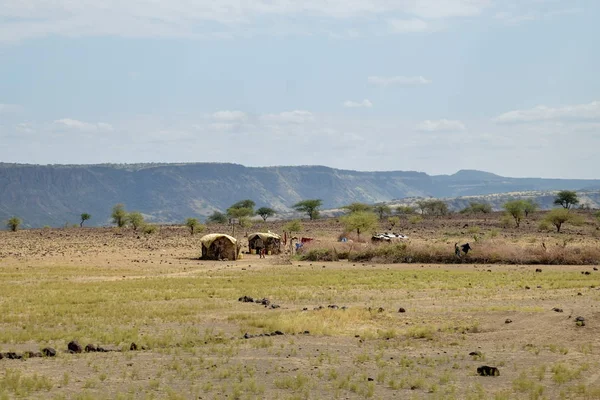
(509, 87)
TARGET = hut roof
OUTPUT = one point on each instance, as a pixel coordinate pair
(207, 240)
(264, 235)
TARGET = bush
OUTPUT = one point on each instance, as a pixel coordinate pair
(320, 255)
(294, 226)
(13, 223)
(135, 219)
(119, 215)
(544, 226)
(149, 229)
(415, 219)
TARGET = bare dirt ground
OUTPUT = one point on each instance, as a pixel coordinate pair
(113, 287)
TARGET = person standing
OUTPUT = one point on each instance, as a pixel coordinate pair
(259, 246)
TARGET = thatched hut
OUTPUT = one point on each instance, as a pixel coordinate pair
(271, 242)
(218, 246)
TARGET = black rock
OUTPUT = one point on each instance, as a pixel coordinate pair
(401, 310)
(370, 379)
(74, 347)
(278, 333)
(556, 309)
(246, 299)
(91, 348)
(538, 270)
(484, 370)
(579, 319)
(49, 352)
(508, 321)
(475, 353)
(248, 336)
(133, 347)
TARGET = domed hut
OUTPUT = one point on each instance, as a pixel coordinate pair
(269, 241)
(218, 246)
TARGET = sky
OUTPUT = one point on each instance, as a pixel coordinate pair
(505, 86)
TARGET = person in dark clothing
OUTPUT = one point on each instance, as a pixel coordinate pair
(456, 250)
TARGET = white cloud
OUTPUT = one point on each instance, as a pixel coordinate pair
(83, 126)
(408, 26)
(230, 116)
(295, 117)
(545, 113)
(151, 18)
(442, 125)
(398, 80)
(366, 103)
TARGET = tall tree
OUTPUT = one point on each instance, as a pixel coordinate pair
(516, 209)
(217, 218)
(383, 210)
(265, 212)
(560, 216)
(309, 207)
(357, 207)
(566, 199)
(433, 207)
(241, 209)
(361, 221)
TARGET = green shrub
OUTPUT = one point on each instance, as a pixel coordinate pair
(149, 229)
(415, 219)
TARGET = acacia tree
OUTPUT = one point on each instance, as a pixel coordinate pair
(361, 221)
(13, 223)
(241, 209)
(566, 199)
(309, 207)
(357, 207)
(84, 217)
(135, 219)
(194, 225)
(404, 210)
(529, 206)
(516, 209)
(475, 207)
(560, 216)
(119, 215)
(265, 212)
(433, 207)
(383, 210)
(217, 218)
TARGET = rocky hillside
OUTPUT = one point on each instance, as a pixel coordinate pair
(57, 194)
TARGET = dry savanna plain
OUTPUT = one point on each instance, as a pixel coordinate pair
(341, 332)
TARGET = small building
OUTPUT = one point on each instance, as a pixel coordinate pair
(218, 246)
(271, 242)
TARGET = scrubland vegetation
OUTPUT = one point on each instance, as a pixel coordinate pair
(404, 320)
